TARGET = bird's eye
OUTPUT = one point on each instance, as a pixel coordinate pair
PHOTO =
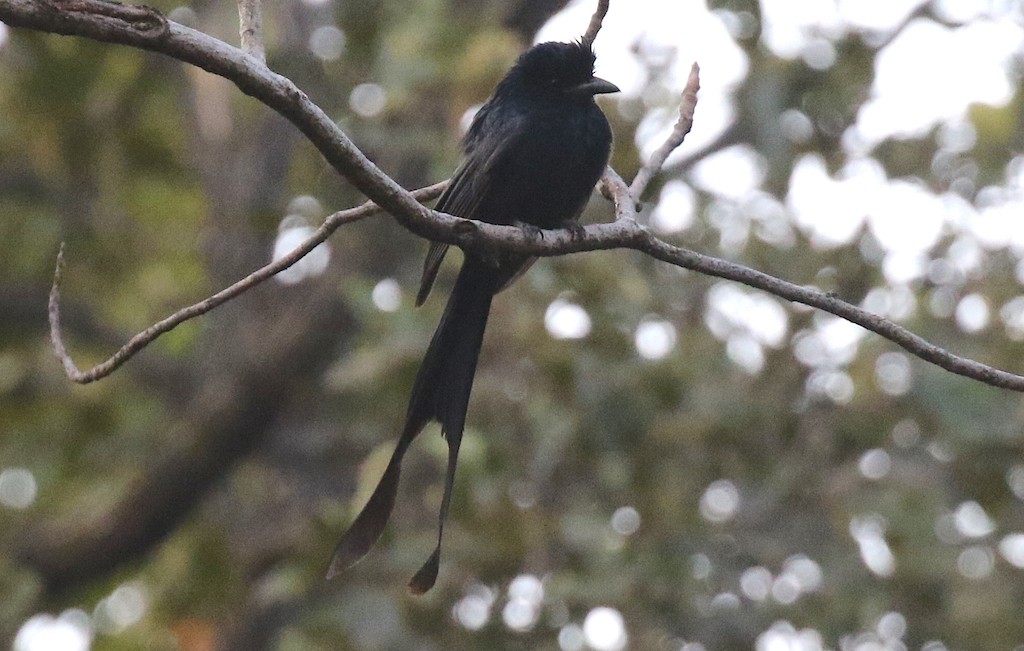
(553, 81)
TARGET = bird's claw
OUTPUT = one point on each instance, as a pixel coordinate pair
(530, 230)
(465, 227)
(576, 229)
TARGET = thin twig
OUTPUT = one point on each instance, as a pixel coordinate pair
(613, 188)
(595, 22)
(144, 338)
(679, 131)
(53, 313)
(250, 28)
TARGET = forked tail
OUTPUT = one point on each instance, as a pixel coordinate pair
(441, 393)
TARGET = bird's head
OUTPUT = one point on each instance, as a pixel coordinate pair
(560, 70)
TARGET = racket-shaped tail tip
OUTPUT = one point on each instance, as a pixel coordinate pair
(427, 575)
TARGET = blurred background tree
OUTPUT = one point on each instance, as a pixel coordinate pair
(657, 460)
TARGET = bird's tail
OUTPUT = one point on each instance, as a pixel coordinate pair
(441, 393)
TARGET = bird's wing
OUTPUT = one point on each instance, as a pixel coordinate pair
(430, 266)
(470, 186)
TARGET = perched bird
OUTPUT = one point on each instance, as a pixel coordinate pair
(532, 157)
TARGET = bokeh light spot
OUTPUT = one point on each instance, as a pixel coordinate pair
(972, 521)
(972, 313)
(626, 520)
(18, 488)
(387, 295)
(565, 320)
(327, 42)
(655, 338)
(720, 501)
(71, 631)
(975, 562)
(292, 232)
(368, 100)
(604, 629)
(874, 464)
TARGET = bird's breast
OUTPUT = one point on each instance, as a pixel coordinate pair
(551, 177)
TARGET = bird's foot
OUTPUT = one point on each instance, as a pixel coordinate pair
(576, 229)
(531, 231)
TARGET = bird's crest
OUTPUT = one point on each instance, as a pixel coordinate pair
(554, 63)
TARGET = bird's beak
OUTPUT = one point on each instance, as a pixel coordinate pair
(595, 86)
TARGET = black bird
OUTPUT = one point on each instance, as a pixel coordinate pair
(533, 155)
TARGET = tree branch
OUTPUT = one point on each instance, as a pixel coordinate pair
(679, 131)
(595, 21)
(225, 418)
(144, 338)
(147, 29)
(912, 343)
(250, 28)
